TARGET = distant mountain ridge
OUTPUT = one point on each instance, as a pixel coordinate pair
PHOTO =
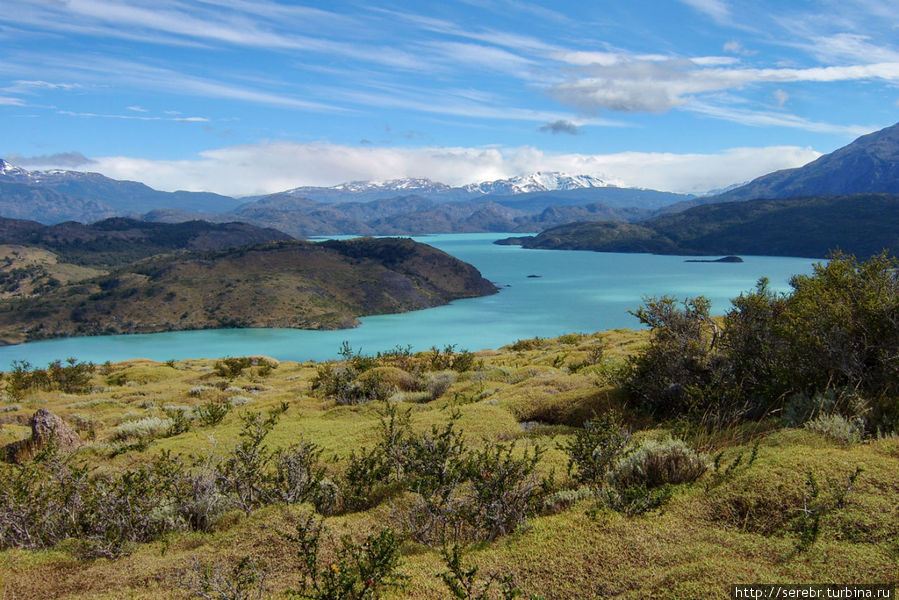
(84, 197)
(362, 207)
(361, 191)
(868, 165)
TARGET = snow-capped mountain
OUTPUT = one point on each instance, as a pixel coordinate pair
(10, 172)
(411, 184)
(57, 195)
(362, 191)
(540, 181)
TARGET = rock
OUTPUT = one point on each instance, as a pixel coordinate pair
(46, 429)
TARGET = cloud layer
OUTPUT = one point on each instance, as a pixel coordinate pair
(274, 167)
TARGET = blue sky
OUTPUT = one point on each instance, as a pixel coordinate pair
(251, 96)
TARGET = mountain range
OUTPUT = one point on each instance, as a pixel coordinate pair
(869, 165)
(56, 196)
(400, 206)
(847, 200)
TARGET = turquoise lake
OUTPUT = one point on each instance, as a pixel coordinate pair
(573, 292)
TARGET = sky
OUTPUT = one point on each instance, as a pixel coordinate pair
(246, 97)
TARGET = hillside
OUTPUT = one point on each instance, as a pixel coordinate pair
(742, 521)
(279, 284)
(118, 241)
(869, 165)
(863, 225)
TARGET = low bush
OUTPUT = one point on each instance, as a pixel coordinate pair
(141, 429)
(244, 581)
(232, 367)
(838, 428)
(71, 377)
(656, 463)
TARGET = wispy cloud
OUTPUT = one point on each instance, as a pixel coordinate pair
(170, 22)
(89, 115)
(130, 74)
(764, 118)
(716, 9)
(459, 105)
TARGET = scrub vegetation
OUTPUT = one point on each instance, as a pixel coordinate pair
(670, 462)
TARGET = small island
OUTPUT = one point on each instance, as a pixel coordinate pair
(726, 259)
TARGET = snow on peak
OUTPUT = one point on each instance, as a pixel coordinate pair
(541, 181)
(11, 170)
(406, 184)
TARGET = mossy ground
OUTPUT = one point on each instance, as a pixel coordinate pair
(709, 535)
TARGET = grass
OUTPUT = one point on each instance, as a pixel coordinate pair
(741, 529)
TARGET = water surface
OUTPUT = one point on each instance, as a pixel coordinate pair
(543, 293)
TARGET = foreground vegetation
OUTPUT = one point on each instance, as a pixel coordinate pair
(668, 463)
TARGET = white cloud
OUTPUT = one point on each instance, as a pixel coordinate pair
(734, 47)
(781, 97)
(9, 101)
(278, 166)
(850, 47)
(761, 118)
(88, 115)
(659, 86)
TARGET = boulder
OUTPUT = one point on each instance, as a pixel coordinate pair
(46, 429)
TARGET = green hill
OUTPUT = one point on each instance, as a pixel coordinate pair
(279, 284)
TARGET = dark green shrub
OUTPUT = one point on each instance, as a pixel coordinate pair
(677, 364)
(636, 499)
(434, 465)
(354, 572)
(299, 476)
(816, 505)
(505, 489)
(212, 412)
(463, 582)
(180, 422)
(73, 377)
(595, 448)
(232, 367)
(366, 480)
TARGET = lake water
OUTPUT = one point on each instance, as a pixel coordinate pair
(574, 292)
